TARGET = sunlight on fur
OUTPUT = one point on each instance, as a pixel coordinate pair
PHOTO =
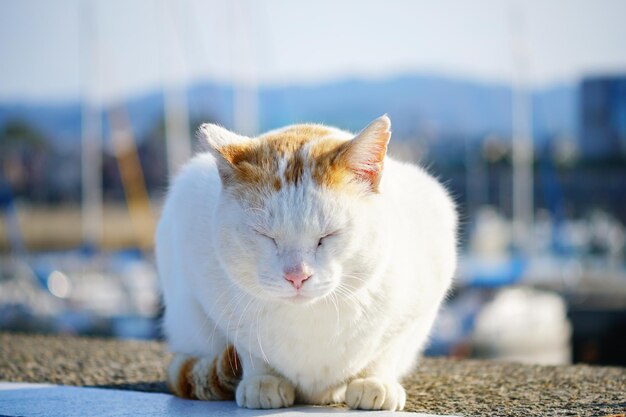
(301, 266)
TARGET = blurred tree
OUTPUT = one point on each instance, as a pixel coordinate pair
(23, 154)
(21, 133)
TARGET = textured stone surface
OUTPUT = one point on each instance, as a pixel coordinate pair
(440, 386)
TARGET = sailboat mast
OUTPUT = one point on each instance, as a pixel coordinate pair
(91, 153)
(177, 141)
(245, 84)
(522, 139)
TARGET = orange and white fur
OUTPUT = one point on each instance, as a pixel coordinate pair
(320, 259)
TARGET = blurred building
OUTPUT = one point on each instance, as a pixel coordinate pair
(603, 117)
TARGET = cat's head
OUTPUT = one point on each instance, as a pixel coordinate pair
(298, 216)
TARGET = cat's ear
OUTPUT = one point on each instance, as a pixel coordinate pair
(366, 152)
(223, 144)
(218, 138)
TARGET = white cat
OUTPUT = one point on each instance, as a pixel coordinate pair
(320, 259)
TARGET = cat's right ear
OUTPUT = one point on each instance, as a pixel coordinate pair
(223, 144)
(219, 140)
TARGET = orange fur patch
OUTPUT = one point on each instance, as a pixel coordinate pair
(330, 164)
(226, 373)
(256, 163)
(215, 385)
(219, 383)
(183, 386)
(230, 367)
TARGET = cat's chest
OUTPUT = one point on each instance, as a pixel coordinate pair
(317, 347)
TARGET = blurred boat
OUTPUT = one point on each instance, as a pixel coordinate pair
(80, 292)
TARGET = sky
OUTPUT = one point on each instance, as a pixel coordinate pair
(54, 50)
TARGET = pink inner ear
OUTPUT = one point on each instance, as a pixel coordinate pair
(372, 175)
(368, 161)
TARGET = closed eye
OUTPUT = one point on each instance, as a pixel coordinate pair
(266, 236)
(326, 237)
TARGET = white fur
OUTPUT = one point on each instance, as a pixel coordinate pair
(362, 318)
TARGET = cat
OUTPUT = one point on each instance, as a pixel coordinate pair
(303, 265)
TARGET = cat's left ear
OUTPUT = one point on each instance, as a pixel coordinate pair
(366, 152)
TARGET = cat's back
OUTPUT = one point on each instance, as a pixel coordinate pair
(422, 217)
(195, 188)
(187, 212)
(417, 194)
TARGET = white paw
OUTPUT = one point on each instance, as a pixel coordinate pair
(264, 391)
(375, 394)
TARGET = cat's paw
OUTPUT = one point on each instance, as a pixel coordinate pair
(375, 394)
(265, 391)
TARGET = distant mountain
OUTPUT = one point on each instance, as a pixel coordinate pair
(415, 104)
(418, 106)
(59, 122)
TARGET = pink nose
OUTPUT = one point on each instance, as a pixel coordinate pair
(297, 278)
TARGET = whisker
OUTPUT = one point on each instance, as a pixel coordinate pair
(258, 337)
(241, 316)
(250, 334)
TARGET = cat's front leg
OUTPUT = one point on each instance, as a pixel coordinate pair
(260, 387)
(375, 393)
(377, 386)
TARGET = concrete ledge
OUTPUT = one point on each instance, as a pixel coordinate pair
(440, 386)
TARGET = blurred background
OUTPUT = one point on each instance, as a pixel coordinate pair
(519, 107)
